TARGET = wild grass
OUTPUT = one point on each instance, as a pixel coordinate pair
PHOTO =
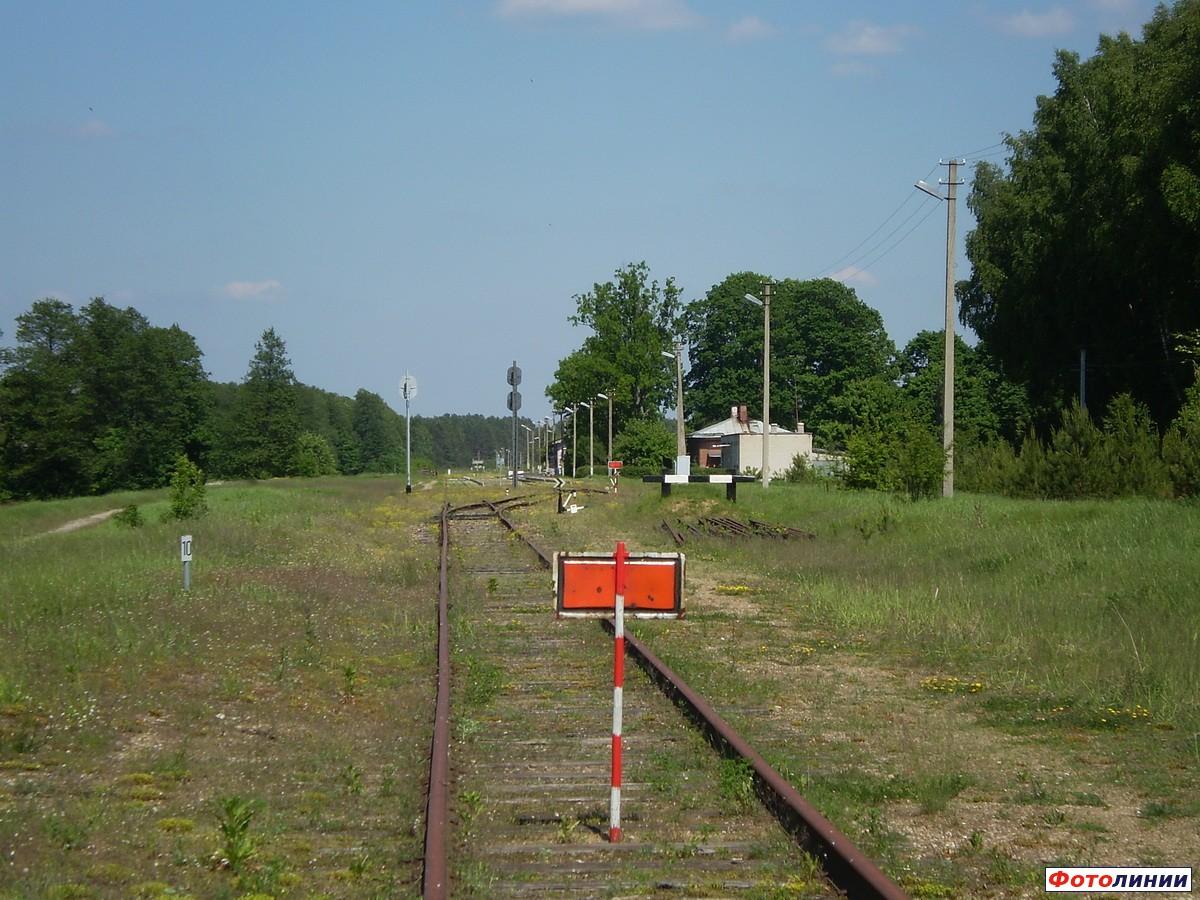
(296, 666)
(1090, 602)
(918, 655)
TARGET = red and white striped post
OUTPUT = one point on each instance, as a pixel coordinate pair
(614, 804)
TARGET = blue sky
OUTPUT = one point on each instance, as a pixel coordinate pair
(425, 185)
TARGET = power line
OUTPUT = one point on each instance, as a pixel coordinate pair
(981, 150)
(891, 234)
(876, 231)
(878, 228)
(902, 239)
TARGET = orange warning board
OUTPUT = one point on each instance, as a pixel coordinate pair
(584, 584)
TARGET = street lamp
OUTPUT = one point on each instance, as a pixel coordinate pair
(574, 441)
(591, 437)
(528, 446)
(948, 368)
(765, 303)
(608, 397)
(680, 443)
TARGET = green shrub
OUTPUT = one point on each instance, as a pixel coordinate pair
(990, 468)
(314, 456)
(644, 443)
(903, 458)
(130, 516)
(1181, 446)
(800, 471)
(1133, 460)
(188, 499)
(1076, 458)
(920, 462)
(870, 456)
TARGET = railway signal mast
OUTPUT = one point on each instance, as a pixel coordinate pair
(408, 390)
(514, 403)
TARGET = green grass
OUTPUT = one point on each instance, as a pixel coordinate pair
(296, 668)
(990, 629)
(1094, 601)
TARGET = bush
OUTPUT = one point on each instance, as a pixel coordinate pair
(904, 458)
(1133, 460)
(188, 500)
(1076, 457)
(800, 471)
(314, 456)
(920, 463)
(130, 517)
(990, 468)
(1181, 446)
(869, 456)
(644, 443)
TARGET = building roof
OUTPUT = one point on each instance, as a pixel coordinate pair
(732, 426)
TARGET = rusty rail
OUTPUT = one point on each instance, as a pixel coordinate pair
(845, 864)
(847, 867)
(434, 878)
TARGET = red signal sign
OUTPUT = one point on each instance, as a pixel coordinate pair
(584, 585)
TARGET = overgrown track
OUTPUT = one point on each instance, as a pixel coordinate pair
(529, 771)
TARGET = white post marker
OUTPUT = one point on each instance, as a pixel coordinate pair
(185, 556)
(614, 804)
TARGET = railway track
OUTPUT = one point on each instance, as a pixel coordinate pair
(519, 775)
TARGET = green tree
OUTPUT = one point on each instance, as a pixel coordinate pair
(644, 444)
(1133, 462)
(45, 450)
(375, 427)
(823, 338)
(632, 321)
(1181, 446)
(144, 393)
(987, 407)
(267, 420)
(314, 456)
(188, 492)
(1092, 237)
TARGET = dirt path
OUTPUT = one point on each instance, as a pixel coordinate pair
(84, 522)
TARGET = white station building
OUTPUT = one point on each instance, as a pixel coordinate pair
(736, 444)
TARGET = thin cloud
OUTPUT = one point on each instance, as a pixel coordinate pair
(749, 28)
(646, 14)
(93, 129)
(862, 38)
(848, 68)
(853, 275)
(253, 290)
(1030, 24)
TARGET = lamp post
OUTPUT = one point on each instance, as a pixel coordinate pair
(948, 369)
(765, 303)
(608, 397)
(528, 446)
(591, 437)
(574, 441)
(680, 443)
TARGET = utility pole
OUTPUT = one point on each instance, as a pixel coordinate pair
(766, 436)
(680, 442)
(1083, 377)
(952, 182)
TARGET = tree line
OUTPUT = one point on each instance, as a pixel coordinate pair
(98, 399)
(1088, 240)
